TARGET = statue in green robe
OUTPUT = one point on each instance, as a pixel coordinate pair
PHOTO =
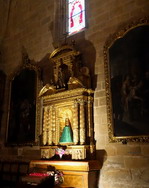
(66, 137)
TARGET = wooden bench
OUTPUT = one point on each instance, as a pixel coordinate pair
(11, 172)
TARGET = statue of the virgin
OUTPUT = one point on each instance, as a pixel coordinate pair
(66, 137)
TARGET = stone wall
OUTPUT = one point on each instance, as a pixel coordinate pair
(33, 25)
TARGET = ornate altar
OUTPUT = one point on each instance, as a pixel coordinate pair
(67, 109)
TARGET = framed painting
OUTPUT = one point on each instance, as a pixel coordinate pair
(126, 60)
(2, 90)
(24, 107)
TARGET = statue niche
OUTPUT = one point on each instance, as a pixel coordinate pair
(68, 108)
(68, 71)
(63, 75)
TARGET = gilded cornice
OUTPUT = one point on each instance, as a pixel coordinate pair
(68, 94)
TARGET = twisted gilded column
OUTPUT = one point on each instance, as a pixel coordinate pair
(75, 123)
(82, 122)
(45, 119)
(49, 126)
(53, 125)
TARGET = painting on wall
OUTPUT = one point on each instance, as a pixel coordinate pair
(22, 122)
(127, 83)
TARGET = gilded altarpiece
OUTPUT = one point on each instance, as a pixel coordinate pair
(68, 97)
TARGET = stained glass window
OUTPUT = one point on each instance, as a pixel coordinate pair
(76, 16)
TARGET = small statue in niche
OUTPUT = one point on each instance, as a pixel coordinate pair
(68, 72)
(63, 75)
(66, 137)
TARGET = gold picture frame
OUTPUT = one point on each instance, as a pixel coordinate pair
(126, 63)
(24, 112)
